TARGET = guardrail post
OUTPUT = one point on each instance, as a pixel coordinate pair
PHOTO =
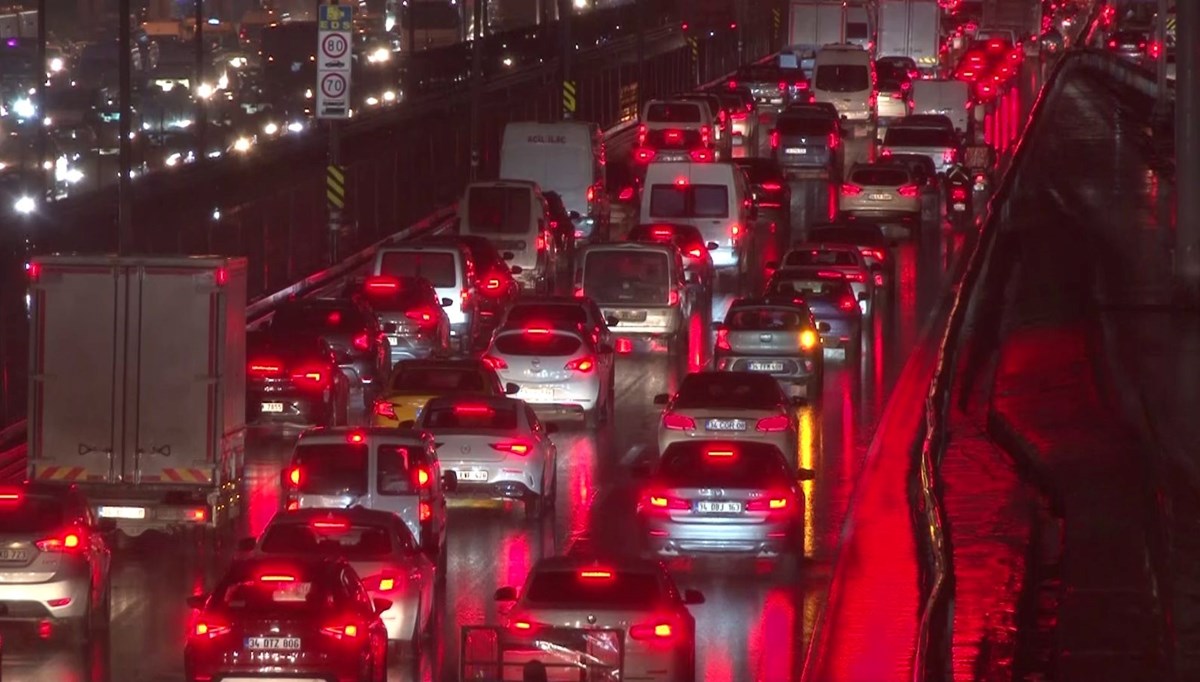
(1187, 151)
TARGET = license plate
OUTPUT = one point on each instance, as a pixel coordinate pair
(719, 507)
(672, 157)
(536, 393)
(122, 512)
(879, 197)
(272, 408)
(796, 150)
(14, 555)
(766, 367)
(960, 207)
(273, 643)
(725, 425)
(471, 475)
(630, 315)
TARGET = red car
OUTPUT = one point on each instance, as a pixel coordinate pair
(287, 618)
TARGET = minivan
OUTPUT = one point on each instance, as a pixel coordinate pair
(805, 143)
(948, 98)
(675, 130)
(448, 266)
(715, 197)
(844, 75)
(514, 215)
(566, 158)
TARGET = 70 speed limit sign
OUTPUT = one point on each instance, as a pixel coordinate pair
(335, 24)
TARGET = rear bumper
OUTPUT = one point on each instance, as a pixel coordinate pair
(30, 602)
(842, 333)
(784, 440)
(799, 368)
(286, 409)
(566, 397)
(506, 479)
(668, 537)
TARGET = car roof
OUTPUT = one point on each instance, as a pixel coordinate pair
(770, 302)
(427, 244)
(356, 514)
(490, 401)
(436, 363)
(340, 434)
(925, 121)
(657, 172)
(627, 563)
(633, 246)
(809, 271)
(579, 301)
(819, 246)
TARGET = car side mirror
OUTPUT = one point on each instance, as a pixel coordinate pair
(505, 594)
(407, 424)
(380, 605)
(389, 328)
(806, 475)
(693, 597)
(712, 246)
(507, 255)
(510, 388)
(551, 427)
(611, 320)
(862, 296)
(606, 348)
(446, 303)
(197, 601)
(516, 269)
(824, 327)
(574, 215)
(662, 399)
(449, 481)
(246, 544)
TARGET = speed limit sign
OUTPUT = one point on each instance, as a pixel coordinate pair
(334, 26)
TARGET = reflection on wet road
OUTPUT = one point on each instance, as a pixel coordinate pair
(756, 622)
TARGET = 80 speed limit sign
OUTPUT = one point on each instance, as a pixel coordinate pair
(334, 26)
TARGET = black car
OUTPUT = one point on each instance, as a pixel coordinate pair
(413, 318)
(868, 237)
(350, 328)
(803, 143)
(769, 188)
(497, 287)
(563, 229)
(294, 379)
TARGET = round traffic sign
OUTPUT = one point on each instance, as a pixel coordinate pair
(334, 46)
(333, 85)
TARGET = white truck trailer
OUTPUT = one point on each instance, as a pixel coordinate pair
(911, 28)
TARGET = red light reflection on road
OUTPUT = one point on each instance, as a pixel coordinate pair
(514, 559)
(697, 343)
(773, 640)
(262, 495)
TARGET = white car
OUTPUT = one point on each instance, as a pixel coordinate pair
(497, 448)
(558, 367)
(380, 548)
(629, 594)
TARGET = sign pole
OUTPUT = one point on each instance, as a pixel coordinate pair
(335, 25)
(569, 101)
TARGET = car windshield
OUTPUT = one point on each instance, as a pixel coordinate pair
(728, 390)
(879, 177)
(804, 125)
(536, 344)
(807, 287)
(499, 210)
(543, 312)
(674, 112)
(847, 235)
(891, 71)
(317, 318)
(595, 589)
(819, 257)
(689, 201)
(437, 267)
(919, 137)
(438, 380)
(764, 318)
(32, 514)
(501, 417)
(627, 277)
(843, 78)
(331, 468)
(732, 466)
(333, 537)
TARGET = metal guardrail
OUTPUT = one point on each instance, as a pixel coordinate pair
(928, 663)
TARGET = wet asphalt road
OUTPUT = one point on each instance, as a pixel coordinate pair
(756, 623)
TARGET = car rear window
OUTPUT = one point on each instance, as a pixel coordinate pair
(886, 177)
(765, 73)
(674, 112)
(764, 318)
(728, 390)
(322, 318)
(627, 277)
(608, 590)
(540, 312)
(733, 467)
(524, 343)
(395, 466)
(808, 287)
(689, 201)
(332, 468)
(499, 210)
(847, 235)
(437, 267)
(819, 257)
(276, 595)
(438, 380)
(804, 125)
(321, 537)
(32, 515)
(470, 416)
(919, 137)
(843, 78)
(760, 170)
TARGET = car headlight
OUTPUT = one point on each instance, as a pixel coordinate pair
(25, 205)
(242, 144)
(271, 128)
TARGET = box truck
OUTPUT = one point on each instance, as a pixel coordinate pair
(911, 28)
(137, 385)
(813, 24)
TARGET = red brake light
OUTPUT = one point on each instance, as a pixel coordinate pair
(656, 500)
(541, 242)
(771, 186)
(11, 497)
(356, 438)
(855, 276)
(68, 541)
(705, 135)
(295, 476)
(210, 628)
(424, 511)
(380, 284)
(652, 631)
(521, 449)
(958, 194)
(783, 85)
(696, 252)
(537, 331)
(723, 339)
(850, 189)
(909, 191)
(422, 476)
(847, 304)
(624, 346)
(474, 410)
(834, 140)
(673, 136)
(641, 134)
(276, 578)
(800, 85)
(774, 139)
(739, 116)
(626, 193)
(266, 368)
(311, 377)
(673, 297)
(494, 362)
(420, 315)
(591, 194)
(386, 583)
(338, 525)
(34, 271)
(1112, 43)
(720, 454)
(362, 341)
(678, 422)
(347, 631)
(596, 575)
(222, 277)
(735, 230)
(385, 409)
(949, 155)
(642, 155)
(702, 156)
(492, 284)
(780, 503)
(581, 365)
(779, 422)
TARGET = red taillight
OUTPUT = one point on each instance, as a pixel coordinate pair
(209, 627)
(424, 511)
(732, 85)
(276, 578)
(850, 189)
(385, 409)
(958, 194)
(739, 116)
(493, 286)
(885, 152)
(771, 186)
(339, 525)
(421, 477)
(591, 194)
(783, 86)
(266, 368)
(521, 449)
(579, 293)
(383, 583)
(641, 134)
(662, 501)
(800, 85)
(705, 135)
(909, 191)
(673, 136)
(775, 503)
(678, 422)
(673, 297)
(541, 242)
(312, 377)
(72, 540)
(624, 346)
(344, 631)
(847, 304)
(1112, 44)
(774, 139)
(695, 252)
(494, 362)
(295, 476)
(949, 155)
(735, 230)
(855, 276)
(833, 141)
(703, 156)
(380, 284)
(626, 194)
(422, 316)
(653, 631)
(723, 339)
(362, 341)
(581, 365)
(779, 422)
(642, 155)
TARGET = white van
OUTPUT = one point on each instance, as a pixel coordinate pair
(712, 196)
(566, 158)
(948, 98)
(514, 216)
(844, 76)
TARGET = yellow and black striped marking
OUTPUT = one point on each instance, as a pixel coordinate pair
(335, 186)
(776, 19)
(695, 45)
(569, 102)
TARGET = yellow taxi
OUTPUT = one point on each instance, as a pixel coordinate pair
(414, 382)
